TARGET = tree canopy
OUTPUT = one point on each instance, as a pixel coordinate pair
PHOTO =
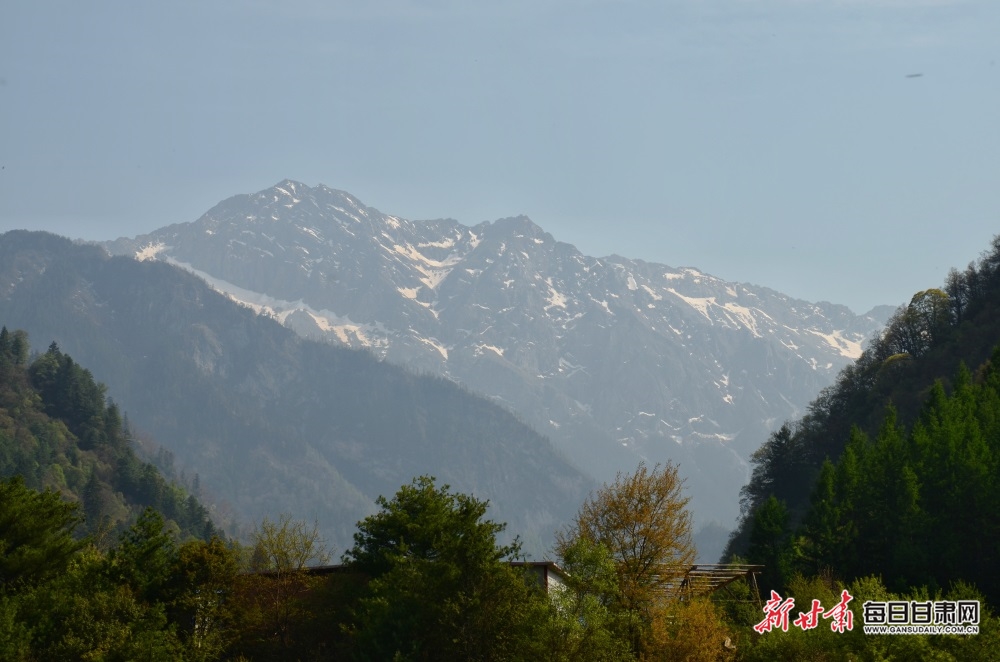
(642, 521)
(440, 587)
(36, 534)
(925, 341)
(59, 430)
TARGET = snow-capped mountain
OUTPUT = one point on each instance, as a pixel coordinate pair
(616, 360)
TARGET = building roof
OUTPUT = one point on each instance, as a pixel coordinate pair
(706, 578)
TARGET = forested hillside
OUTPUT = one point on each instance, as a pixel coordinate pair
(426, 579)
(273, 423)
(895, 469)
(59, 431)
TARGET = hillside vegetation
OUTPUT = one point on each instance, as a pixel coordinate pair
(925, 342)
(58, 431)
(891, 483)
(273, 423)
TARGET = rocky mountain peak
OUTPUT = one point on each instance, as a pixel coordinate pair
(616, 360)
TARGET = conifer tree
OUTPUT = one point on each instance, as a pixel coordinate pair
(36, 534)
(441, 588)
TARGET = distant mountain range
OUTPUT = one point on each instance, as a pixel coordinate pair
(615, 360)
(273, 423)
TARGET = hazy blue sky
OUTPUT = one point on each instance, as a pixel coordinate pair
(780, 142)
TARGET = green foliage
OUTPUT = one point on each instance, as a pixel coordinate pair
(143, 557)
(925, 512)
(739, 603)
(69, 393)
(36, 534)
(822, 643)
(586, 624)
(15, 634)
(145, 599)
(782, 469)
(83, 613)
(201, 597)
(642, 524)
(275, 591)
(57, 430)
(60, 598)
(772, 545)
(439, 587)
(925, 341)
(425, 522)
(451, 594)
(905, 449)
(903, 515)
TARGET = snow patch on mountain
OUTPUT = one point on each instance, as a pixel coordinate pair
(849, 348)
(371, 335)
(150, 251)
(744, 317)
(433, 342)
(493, 348)
(700, 304)
(651, 292)
(444, 243)
(555, 299)
(408, 292)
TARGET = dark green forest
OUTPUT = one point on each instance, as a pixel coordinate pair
(893, 475)
(58, 431)
(426, 579)
(925, 342)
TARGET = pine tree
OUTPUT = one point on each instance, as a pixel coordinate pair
(440, 587)
(771, 544)
(36, 534)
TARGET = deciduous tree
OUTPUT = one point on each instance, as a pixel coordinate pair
(643, 521)
(586, 624)
(275, 588)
